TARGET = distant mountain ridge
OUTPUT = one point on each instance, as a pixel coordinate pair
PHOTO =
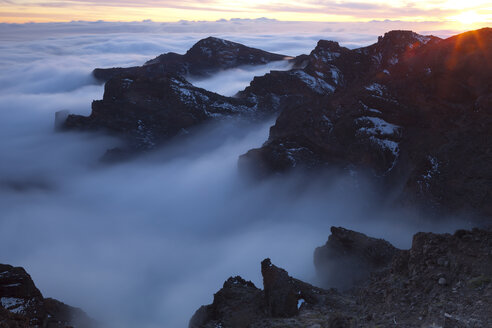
(413, 110)
(206, 57)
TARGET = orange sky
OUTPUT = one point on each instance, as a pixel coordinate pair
(469, 12)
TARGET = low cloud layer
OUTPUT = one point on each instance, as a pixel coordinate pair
(145, 243)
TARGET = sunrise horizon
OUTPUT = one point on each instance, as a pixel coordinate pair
(449, 12)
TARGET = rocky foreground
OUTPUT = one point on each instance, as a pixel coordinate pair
(443, 280)
(22, 305)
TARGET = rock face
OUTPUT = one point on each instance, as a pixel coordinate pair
(150, 104)
(147, 111)
(238, 304)
(415, 110)
(442, 281)
(284, 295)
(207, 56)
(349, 257)
(23, 305)
(284, 301)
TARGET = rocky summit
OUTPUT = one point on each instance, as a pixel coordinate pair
(151, 104)
(414, 111)
(206, 57)
(22, 304)
(443, 280)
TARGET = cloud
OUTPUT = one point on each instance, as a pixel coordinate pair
(144, 243)
(229, 82)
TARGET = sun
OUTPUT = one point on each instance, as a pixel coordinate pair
(468, 18)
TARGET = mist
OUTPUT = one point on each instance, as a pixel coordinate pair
(229, 82)
(145, 243)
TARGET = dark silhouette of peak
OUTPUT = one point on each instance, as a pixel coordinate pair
(402, 37)
(328, 45)
(216, 43)
(207, 56)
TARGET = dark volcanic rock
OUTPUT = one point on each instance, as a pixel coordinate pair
(283, 293)
(349, 257)
(238, 304)
(442, 281)
(412, 109)
(150, 104)
(204, 58)
(23, 305)
(147, 111)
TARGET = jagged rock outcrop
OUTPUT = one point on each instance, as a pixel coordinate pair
(356, 124)
(443, 280)
(238, 304)
(22, 305)
(412, 109)
(150, 104)
(204, 58)
(349, 257)
(284, 302)
(148, 111)
(284, 295)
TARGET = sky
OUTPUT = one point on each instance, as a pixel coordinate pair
(455, 12)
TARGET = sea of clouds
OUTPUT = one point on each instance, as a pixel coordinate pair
(145, 243)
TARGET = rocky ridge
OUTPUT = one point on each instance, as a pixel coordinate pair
(151, 104)
(22, 304)
(147, 111)
(414, 111)
(206, 57)
(443, 280)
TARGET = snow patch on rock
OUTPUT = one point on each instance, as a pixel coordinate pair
(316, 84)
(377, 88)
(377, 126)
(14, 305)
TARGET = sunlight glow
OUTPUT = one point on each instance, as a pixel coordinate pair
(452, 11)
(468, 17)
